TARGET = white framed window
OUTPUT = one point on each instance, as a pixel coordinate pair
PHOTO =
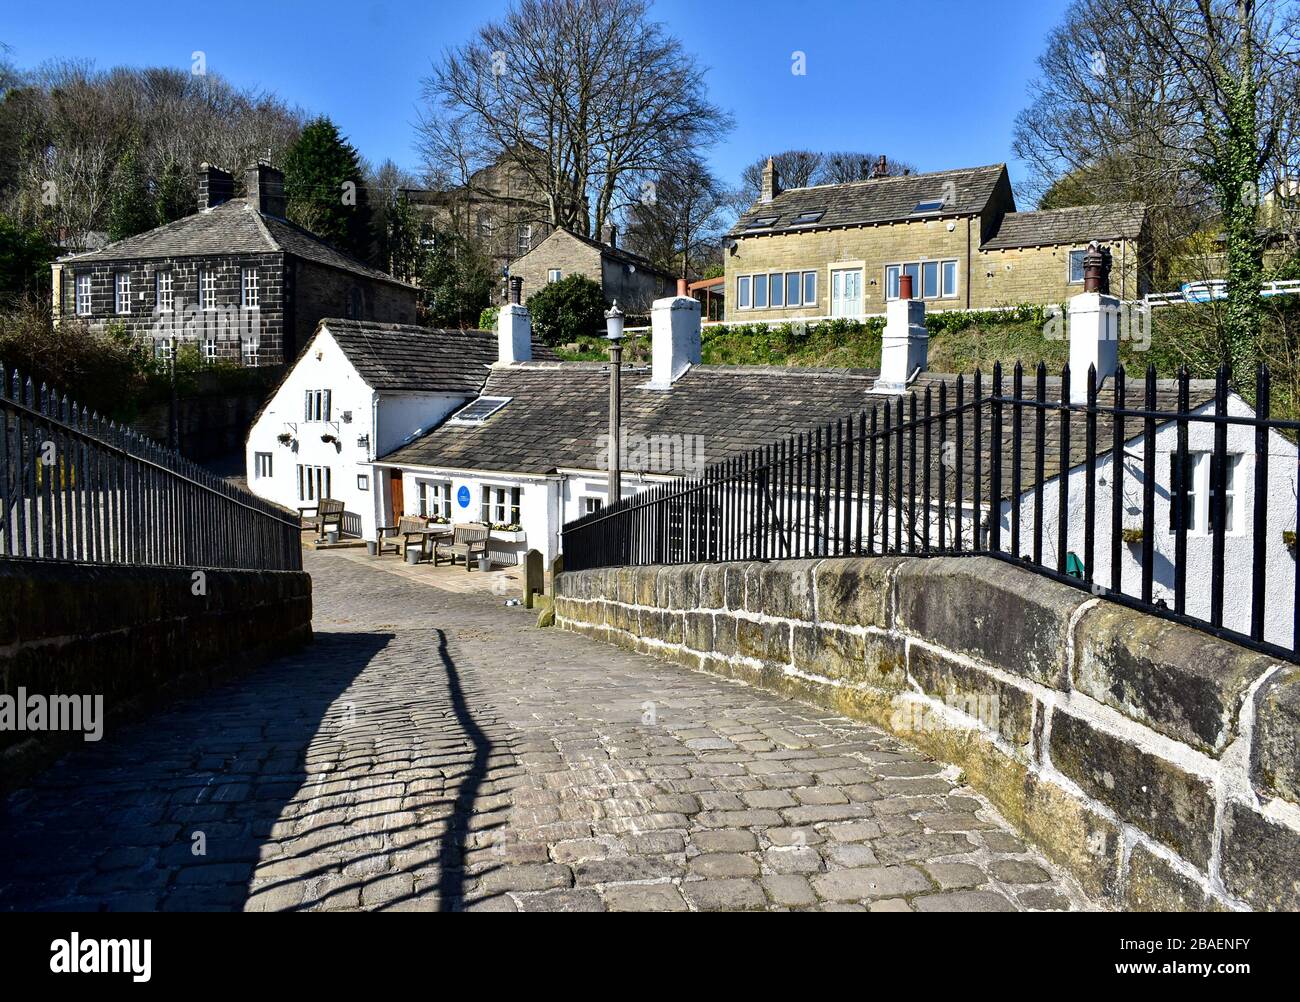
(553, 275)
(313, 482)
(1074, 268)
(810, 288)
(485, 225)
(209, 351)
(163, 291)
(524, 238)
(591, 505)
(122, 292)
(1200, 493)
(252, 354)
(162, 350)
(777, 290)
(433, 498)
(83, 295)
(500, 505)
(262, 465)
(249, 285)
(207, 289)
(316, 405)
(930, 279)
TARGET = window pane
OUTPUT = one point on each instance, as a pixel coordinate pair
(915, 271)
(778, 289)
(792, 288)
(930, 280)
(949, 279)
(760, 292)
(742, 292)
(891, 282)
(810, 288)
(1076, 266)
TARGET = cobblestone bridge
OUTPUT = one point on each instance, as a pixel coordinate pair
(435, 751)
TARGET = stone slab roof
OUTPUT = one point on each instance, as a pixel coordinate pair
(404, 358)
(878, 200)
(1119, 221)
(608, 250)
(234, 227)
(558, 411)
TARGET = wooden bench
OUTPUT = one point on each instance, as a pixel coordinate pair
(399, 536)
(468, 541)
(326, 510)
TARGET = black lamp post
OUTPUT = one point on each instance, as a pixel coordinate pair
(614, 327)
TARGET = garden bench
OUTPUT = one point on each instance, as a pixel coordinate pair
(399, 536)
(326, 510)
(468, 541)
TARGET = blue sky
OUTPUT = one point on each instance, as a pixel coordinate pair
(935, 82)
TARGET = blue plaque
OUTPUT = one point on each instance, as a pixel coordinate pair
(462, 496)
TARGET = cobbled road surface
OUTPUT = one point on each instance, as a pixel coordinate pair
(437, 751)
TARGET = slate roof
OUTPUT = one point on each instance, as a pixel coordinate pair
(878, 200)
(234, 227)
(1122, 220)
(558, 411)
(609, 250)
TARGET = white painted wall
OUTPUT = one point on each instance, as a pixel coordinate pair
(384, 421)
(1238, 545)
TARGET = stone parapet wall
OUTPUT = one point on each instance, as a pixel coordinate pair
(134, 636)
(1158, 764)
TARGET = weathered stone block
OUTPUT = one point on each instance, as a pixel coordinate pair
(713, 586)
(1261, 860)
(735, 585)
(1151, 884)
(764, 641)
(782, 589)
(1275, 757)
(1174, 679)
(989, 610)
(647, 580)
(1003, 708)
(699, 631)
(678, 587)
(724, 634)
(1170, 805)
(855, 591)
(829, 652)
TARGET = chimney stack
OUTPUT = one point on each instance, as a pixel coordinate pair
(674, 339)
(264, 189)
(771, 181)
(1093, 325)
(905, 344)
(514, 328)
(609, 234)
(882, 167)
(215, 186)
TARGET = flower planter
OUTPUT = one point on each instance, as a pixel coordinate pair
(413, 555)
(485, 562)
(508, 535)
(372, 547)
(332, 536)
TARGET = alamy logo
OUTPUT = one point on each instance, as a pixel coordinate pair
(75, 955)
(53, 713)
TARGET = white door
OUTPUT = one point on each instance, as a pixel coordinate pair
(846, 292)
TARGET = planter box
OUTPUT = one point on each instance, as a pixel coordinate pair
(507, 535)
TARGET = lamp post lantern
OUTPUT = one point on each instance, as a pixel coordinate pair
(614, 328)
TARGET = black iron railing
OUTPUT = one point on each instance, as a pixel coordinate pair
(1169, 496)
(75, 487)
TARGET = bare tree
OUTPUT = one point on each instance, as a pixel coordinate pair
(588, 99)
(804, 168)
(1183, 104)
(679, 217)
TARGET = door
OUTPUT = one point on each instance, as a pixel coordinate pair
(396, 500)
(846, 292)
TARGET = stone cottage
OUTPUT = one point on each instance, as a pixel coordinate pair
(631, 279)
(236, 277)
(840, 249)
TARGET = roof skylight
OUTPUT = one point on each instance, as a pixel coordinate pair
(478, 411)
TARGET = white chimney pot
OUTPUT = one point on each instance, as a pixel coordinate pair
(514, 334)
(1094, 340)
(905, 345)
(674, 339)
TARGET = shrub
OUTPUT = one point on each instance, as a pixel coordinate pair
(563, 311)
(487, 320)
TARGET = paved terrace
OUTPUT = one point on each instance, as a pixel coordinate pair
(433, 750)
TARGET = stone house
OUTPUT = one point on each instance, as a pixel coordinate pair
(500, 208)
(631, 279)
(840, 249)
(236, 277)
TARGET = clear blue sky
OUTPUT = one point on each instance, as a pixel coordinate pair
(936, 82)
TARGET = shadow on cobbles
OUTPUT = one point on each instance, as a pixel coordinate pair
(176, 811)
